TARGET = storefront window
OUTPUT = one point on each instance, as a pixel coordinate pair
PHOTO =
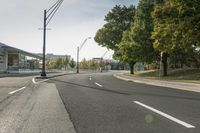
(21, 62)
(13, 59)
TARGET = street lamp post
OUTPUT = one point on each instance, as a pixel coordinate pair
(101, 67)
(77, 63)
(78, 50)
(48, 15)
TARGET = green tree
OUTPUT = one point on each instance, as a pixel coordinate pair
(101, 64)
(176, 27)
(72, 63)
(136, 44)
(93, 64)
(118, 20)
(59, 63)
(66, 62)
(50, 64)
(141, 30)
(127, 51)
(84, 64)
(37, 64)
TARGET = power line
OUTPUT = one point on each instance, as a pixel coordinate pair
(53, 6)
(53, 9)
(53, 12)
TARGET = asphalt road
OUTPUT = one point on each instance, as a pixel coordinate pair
(9, 84)
(100, 103)
(95, 103)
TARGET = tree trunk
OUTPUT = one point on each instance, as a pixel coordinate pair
(164, 61)
(181, 64)
(132, 70)
(132, 67)
(182, 61)
(175, 61)
(195, 60)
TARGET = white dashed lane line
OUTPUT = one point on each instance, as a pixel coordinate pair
(98, 84)
(33, 80)
(12, 92)
(165, 115)
(90, 78)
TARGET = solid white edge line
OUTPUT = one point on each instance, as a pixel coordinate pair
(98, 84)
(166, 115)
(12, 92)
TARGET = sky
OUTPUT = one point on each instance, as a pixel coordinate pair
(75, 20)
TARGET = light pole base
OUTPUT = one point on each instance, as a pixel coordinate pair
(43, 74)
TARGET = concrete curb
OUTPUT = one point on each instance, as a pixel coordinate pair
(18, 75)
(169, 84)
(53, 75)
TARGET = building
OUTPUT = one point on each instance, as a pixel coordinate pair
(52, 57)
(97, 59)
(17, 60)
(111, 64)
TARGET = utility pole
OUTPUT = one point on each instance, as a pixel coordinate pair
(48, 15)
(43, 74)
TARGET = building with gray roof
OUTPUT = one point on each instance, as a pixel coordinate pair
(15, 60)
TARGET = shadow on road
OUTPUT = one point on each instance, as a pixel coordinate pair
(133, 92)
(166, 96)
(91, 87)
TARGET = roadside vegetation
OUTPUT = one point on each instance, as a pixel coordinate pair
(190, 75)
(159, 33)
(92, 64)
(61, 64)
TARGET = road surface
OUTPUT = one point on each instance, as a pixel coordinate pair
(100, 103)
(95, 103)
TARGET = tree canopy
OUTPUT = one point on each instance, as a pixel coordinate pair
(170, 27)
(72, 63)
(176, 25)
(136, 44)
(118, 20)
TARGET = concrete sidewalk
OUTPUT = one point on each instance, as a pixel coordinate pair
(195, 87)
(36, 109)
